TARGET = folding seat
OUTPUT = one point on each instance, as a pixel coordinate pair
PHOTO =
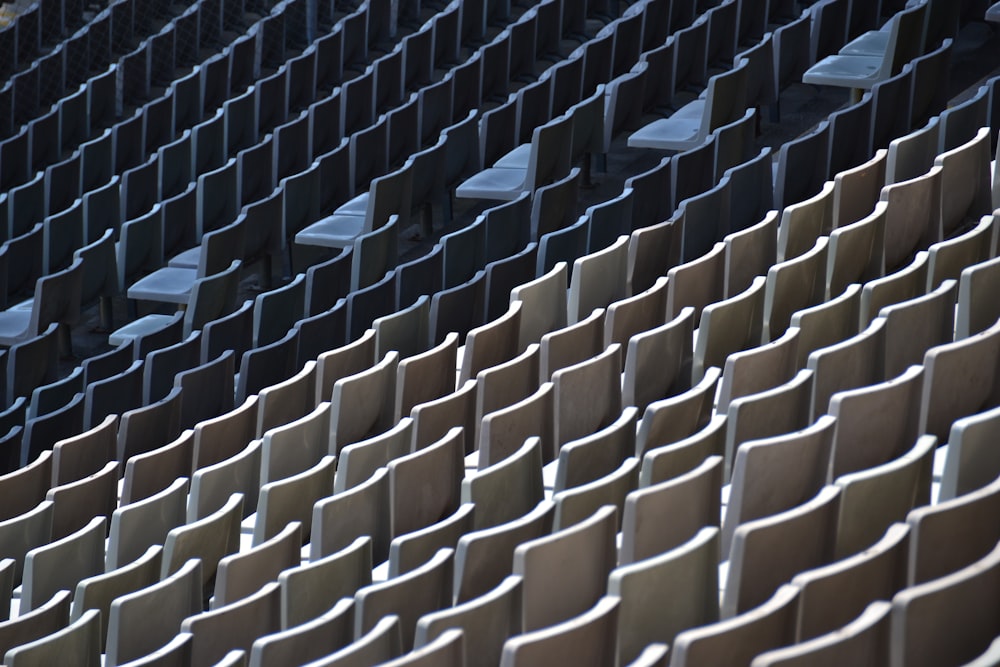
(940, 404)
(803, 221)
(690, 569)
(309, 590)
(366, 305)
(368, 513)
(137, 526)
(187, 37)
(801, 166)
(241, 575)
(45, 144)
(309, 641)
(81, 639)
(475, 620)
(114, 395)
(896, 487)
(859, 638)
(410, 596)
(572, 344)
(62, 563)
(696, 283)
(26, 206)
(207, 390)
(830, 28)
(271, 102)
(669, 342)
(210, 539)
(974, 312)
(856, 193)
(580, 580)
(56, 302)
(170, 601)
(14, 150)
(729, 326)
(381, 643)
(62, 233)
(918, 201)
(243, 66)
(806, 453)
(725, 102)
(588, 639)
(793, 285)
(906, 283)
(963, 636)
(754, 574)
(233, 331)
(95, 594)
(48, 618)
(734, 144)
(934, 525)
(554, 209)
(502, 275)
(266, 365)
(965, 188)
(149, 473)
(760, 368)
(792, 47)
(26, 86)
(910, 331)
(853, 67)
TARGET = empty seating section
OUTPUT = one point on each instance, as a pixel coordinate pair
(438, 392)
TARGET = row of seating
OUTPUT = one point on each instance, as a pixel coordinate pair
(326, 468)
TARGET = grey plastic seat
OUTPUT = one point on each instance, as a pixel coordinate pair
(941, 405)
(241, 575)
(381, 643)
(426, 376)
(153, 471)
(36, 624)
(410, 596)
(793, 285)
(894, 488)
(969, 464)
(207, 298)
(296, 445)
(208, 539)
(689, 126)
(801, 458)
(292, 499)
(548, 161)
(81, 640)
(218, 438)
(960, 635)
(219, 632)
(558, 585)
(207, 390)
(933, 525)
(84, 454)
(690, 570)
(387, 195)
(904, 42)
(586, 639)
(577, 503)
(56, 300)
(741, 637)
(212, 485)
(62, 563)
(311, 640)
(77, 502)
(354, 414)
(672, 419)
(138, 526)
(859, 639)
(308, 591)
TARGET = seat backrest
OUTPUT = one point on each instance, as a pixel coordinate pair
(212, 297)
(726, 98)
(57, 298)
(906, 40)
